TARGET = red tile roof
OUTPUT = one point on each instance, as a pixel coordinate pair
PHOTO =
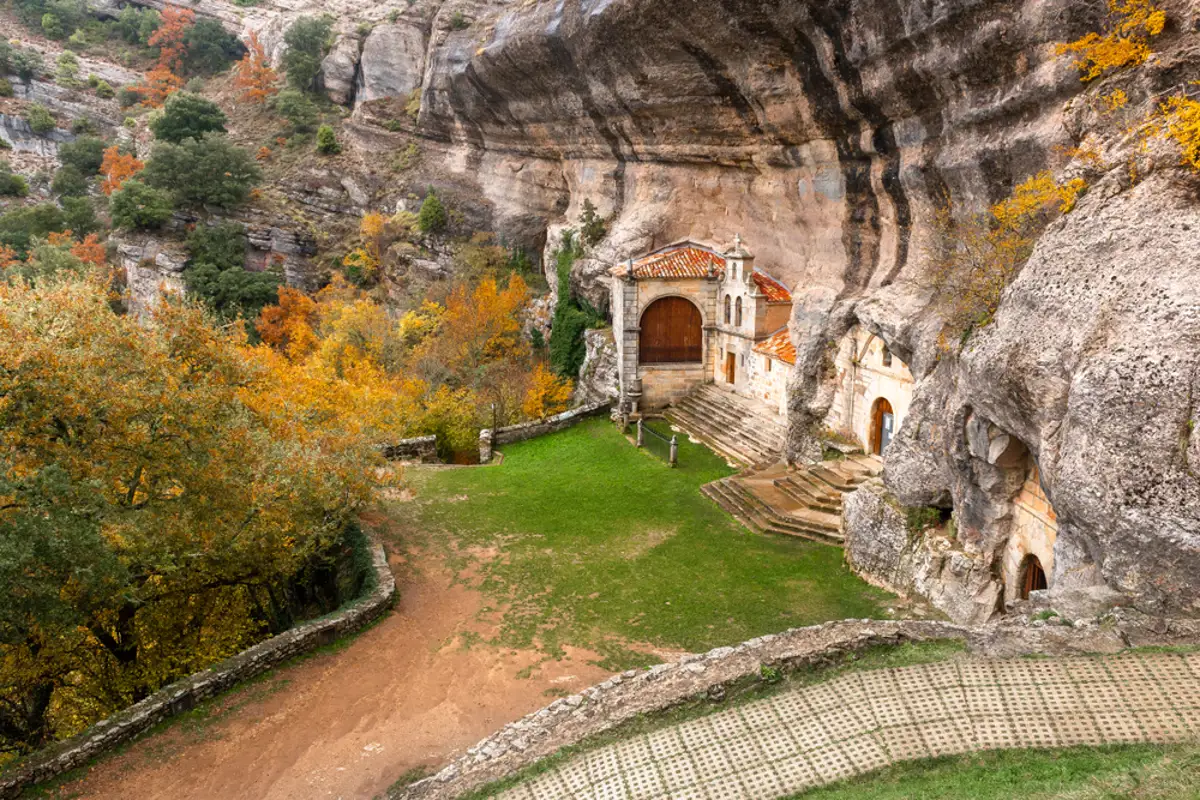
(775, 291)
(685, 260)
(778, 346)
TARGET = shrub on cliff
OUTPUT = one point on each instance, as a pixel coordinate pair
(11, 184)
(432, 217)
(69, 182)
(297, 108)
(20, 226)
(187, 116)
(210, 171)
(216, 273)
(307, 40)
(208, 48)
(40, 120)
(86, 154)
(327, 143)
(136, 205)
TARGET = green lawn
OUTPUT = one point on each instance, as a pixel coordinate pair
(1145, 772)
(581, 539)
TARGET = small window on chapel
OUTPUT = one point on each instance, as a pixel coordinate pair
(768, 362)
(728, 305)
(886, 356)
(737, 313)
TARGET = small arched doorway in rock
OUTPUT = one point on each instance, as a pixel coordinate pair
(883, 423)
(1033, 577)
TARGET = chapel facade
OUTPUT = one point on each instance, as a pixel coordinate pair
(689, 314)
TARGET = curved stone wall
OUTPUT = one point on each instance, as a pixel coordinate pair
(189, 692)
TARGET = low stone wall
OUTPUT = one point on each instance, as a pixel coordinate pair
(187, 693)
(489, 439)
(422, 448)
(572, 719)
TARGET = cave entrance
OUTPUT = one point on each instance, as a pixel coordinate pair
(1033, 578)
(883, 423)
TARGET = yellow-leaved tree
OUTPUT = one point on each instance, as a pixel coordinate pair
(168, 494)
(1126, 42)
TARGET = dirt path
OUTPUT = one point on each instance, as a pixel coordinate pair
(347, 724)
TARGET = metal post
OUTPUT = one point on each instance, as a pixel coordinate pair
(674, 461)
(639, 435)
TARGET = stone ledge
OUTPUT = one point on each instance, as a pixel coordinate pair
(185, 694)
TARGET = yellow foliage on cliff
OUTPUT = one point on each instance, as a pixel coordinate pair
(973, 259)
(1126, 42)
(1179, 120)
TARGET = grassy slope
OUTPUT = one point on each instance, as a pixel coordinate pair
(602, 545)
(1138, 771)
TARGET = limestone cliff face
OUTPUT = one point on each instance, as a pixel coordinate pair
(826, 132)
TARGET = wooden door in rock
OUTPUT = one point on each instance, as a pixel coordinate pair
(730, 368)
(883, 423)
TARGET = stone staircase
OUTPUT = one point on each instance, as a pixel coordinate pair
(740, 429)
(805, 502)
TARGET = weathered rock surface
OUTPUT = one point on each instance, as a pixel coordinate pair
(598, 376)
(393, 62)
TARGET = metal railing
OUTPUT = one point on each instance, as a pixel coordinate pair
(672, 444)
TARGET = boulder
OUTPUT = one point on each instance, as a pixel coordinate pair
(392, 63)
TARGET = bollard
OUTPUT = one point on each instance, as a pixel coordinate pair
(639, 435)
(674, 451)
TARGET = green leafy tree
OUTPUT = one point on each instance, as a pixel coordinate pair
(69, 182)
(327, 143)
(432, 217)
(209, 49)
(297, 108)
(216, 272)
(47, 261)
(105, 91)
(40, 120)
(86, 154)
(52, 26)
(136, 205)
(307, 41)
(208, 171)
(187, 116)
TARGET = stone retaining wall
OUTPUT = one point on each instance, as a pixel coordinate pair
(422, 448)
(489, 439)
(188, 692)
(572, 719)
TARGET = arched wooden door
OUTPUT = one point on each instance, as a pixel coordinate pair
(672, 333)
(883, 424)
(1034, 577)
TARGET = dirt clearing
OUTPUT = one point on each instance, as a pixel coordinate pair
(406, 694)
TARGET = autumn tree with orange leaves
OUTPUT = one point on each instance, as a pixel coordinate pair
(254, 74)
(118, 167)
(170, 39)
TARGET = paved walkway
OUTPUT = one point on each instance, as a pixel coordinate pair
(863, 721)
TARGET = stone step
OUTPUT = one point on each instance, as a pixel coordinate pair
(801, 494)
(765, 437)
(769, 434)
(733, 499)
(736, 450)
(730, 431)
(837, 480)
(739, 407)
(811, 524)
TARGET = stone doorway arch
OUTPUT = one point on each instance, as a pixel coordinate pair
(883, 425)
